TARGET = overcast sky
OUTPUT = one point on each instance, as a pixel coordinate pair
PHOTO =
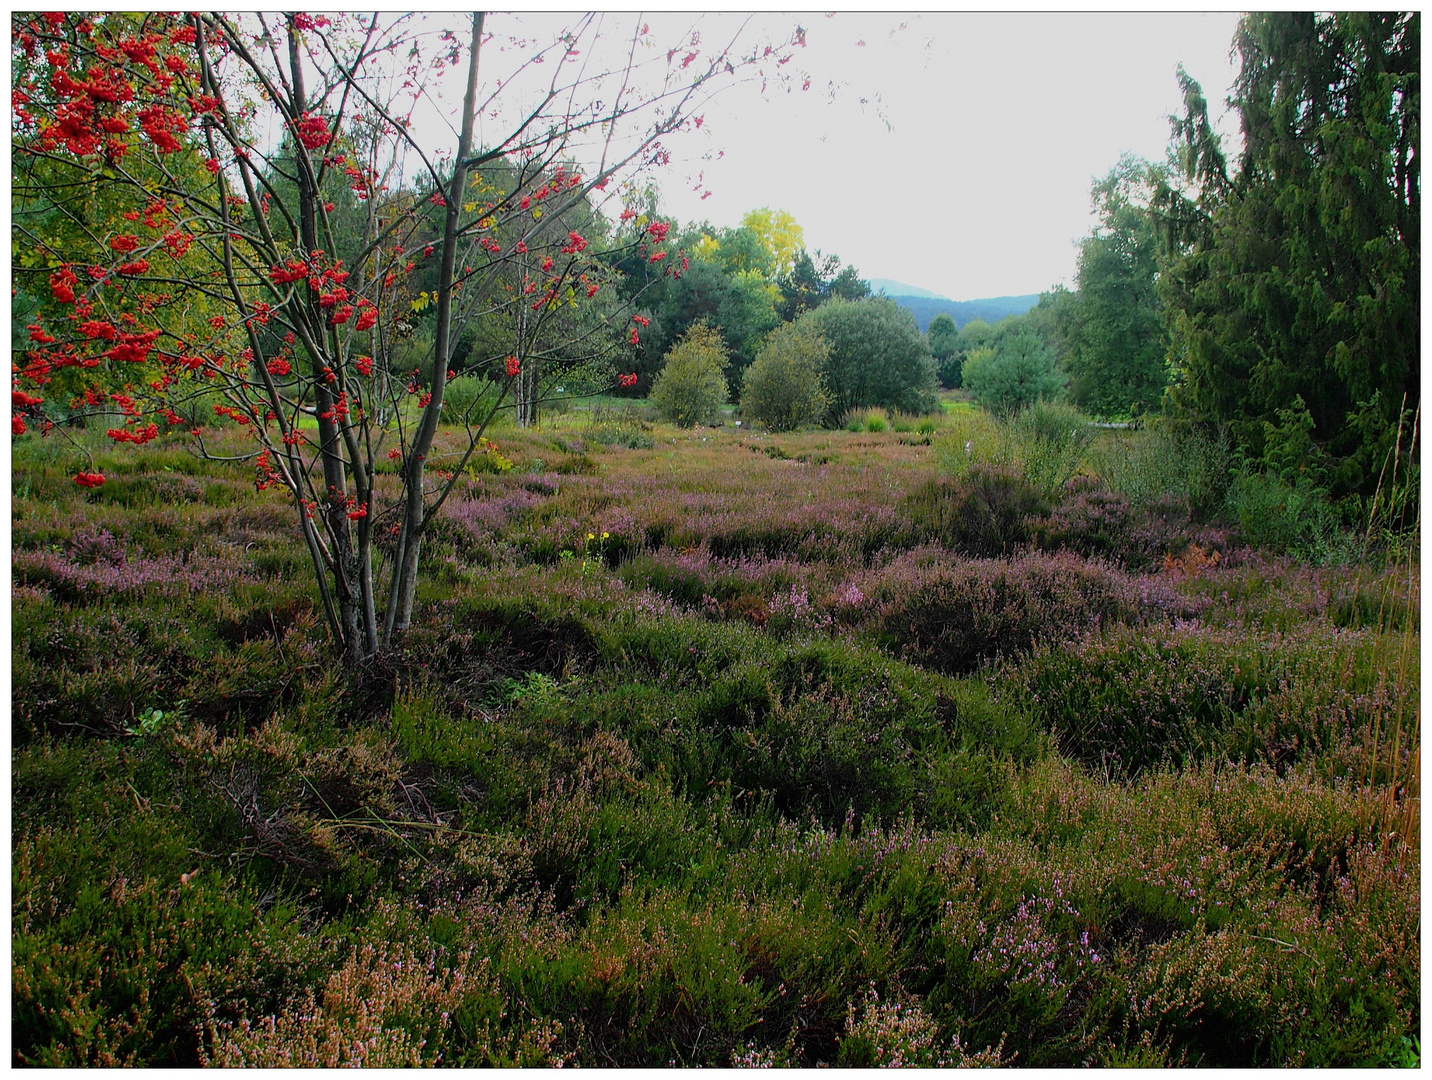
(951, 151)
(997, 123)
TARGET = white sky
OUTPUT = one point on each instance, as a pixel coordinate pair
(998, 123)
(967, 169)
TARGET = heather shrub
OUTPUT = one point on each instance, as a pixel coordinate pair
(1088, 519)
(100, 570)
(824, 726)
(95, 668)
(1249, 588)
(1388, 599)
(783, 386)
(386, 1007)
(1129, 700)
(123, 928)
(670, 768)
(986, 513)
(901, 1034)
(956, 615)
(691, 386)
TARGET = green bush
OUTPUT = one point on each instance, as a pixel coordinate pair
(986, 512)
(784, 388)
(1129, 700)
(1019, 372)
(624, 426)
(468, 399)
(691, 387)
(1050, 440)
(1288, 518)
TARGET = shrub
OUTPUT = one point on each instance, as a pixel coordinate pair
(619, 427)
(1089, 520)
(1050, 440)
(895, 1034)
(784, 388)
(956, 615)
(1127, 700)
(1018, 373)
(877, 356)
(1167, 461)
(691, 387)
(468, 399)
(987, 512)
(1288, 518)
(1044, 442)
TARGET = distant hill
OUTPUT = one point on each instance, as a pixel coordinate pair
(925, 305)
(894, 289)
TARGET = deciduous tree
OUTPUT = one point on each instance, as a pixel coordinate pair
(878, 357)
(691, 387)
(1112, 326)
(784, 389)
(266, 111)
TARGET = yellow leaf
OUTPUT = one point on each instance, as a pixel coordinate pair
(469, 206)
(536, 213)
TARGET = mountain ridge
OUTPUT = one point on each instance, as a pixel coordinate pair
(925, 305)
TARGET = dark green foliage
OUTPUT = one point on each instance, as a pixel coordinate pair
(1295, 274)
(736, 306)
(805, 286)
(877, 357)
(1287, 518)
(944, 339)
(973, 335)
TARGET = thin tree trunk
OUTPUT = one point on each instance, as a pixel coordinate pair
(405, 569)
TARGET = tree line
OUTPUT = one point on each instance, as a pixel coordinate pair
(1273, 294)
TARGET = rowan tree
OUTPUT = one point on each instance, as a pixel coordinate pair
(225, 150)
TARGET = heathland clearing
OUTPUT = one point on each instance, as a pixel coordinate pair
(710, 746)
